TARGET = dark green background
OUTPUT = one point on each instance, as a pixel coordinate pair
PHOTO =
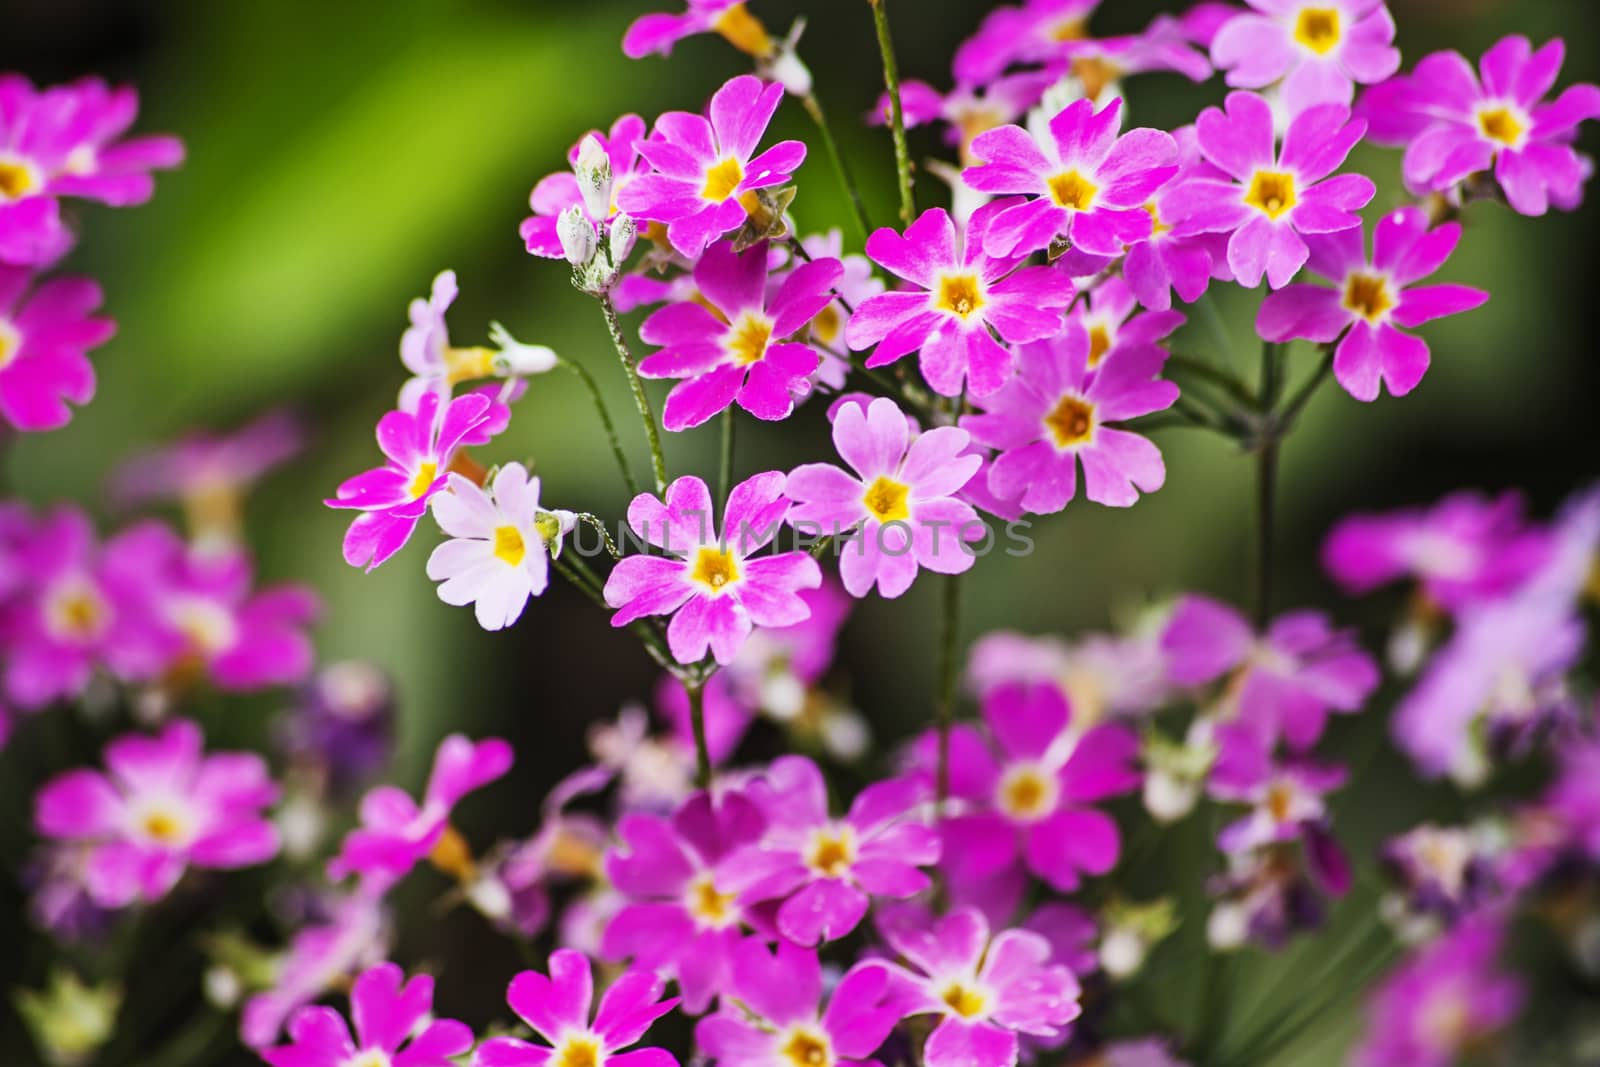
(341, 154)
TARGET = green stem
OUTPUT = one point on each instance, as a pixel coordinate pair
(1303, 395)
(1222, 379)
(725, 466)
(599, 527)
(1266, 480)
(641, 401)
(949, 633)
(813, 108)
(897, 119)
(1215, 326)
(610, 427)
(697, 722)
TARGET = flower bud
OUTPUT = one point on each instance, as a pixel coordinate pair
(514, 359)
(1122, 953)
(624, 232)
(593, 170)
(1228, 926)
(578, 241)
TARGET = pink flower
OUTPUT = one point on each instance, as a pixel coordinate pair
(1116, 323)
(898, 509)
(735, 351)
(1455, 125)
(1027, 796)
(1286, 805)
(658, 32)
(1089, 184)
(1059, 411)
(164, 807)
(320, 957)
(1465, 549)
(1284, 682)
(1317, 48)
(1165, 261)
(703, 172)
(985, 991)
(1036, 32)
(780, 1021)
(1372, 297)
(1448, 998)
(1097, 65)
(680, 920)
(818, 871)
(964, 291)
(1276, 195)
(208, 470)
(968, 110)
(856, 285)
(64, 142)
(557, 192)
(202, 602)
(420, 446)
(711, 586)
(44, 340)
(395, 833)
(557, 1008)
(1574, 797)
(80, 606)
(394, 1026)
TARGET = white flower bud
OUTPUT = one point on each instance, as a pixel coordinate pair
(624, 232)
(1227, 926)
(1168, 797)
(514, 359)
(593, 170)
(845, 735)
(222, 987)
(491, 898)
(1122, 953)
(578, 240)
(783, 695)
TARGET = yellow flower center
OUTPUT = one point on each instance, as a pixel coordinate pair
(1157, 226)
(77, 611)
(1069, 29)
(1368, 296)
(959, 294)
(1027, 793)
(372, 1057)
(468, 364)
(424, 479)
(747, 340)
(963, 1001)
(886, 499)
(1095, 73)
(1072, 190)
(807, 1049)
(17, 179)
(1501, 124)
(578, 1052)
(832, 852)
(1099, 343)
(709, 906)
(825, 327)
(1592, 589)
(453, 855)
(1280, 801)
(10, 343)
(1071, 421)
(714, 568)
(1271, 193)
(164, 825)
(1318, 29)
(509, 547)
(744, 31)
(722, 180)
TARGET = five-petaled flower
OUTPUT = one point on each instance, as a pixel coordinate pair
(705, 173)
(394, 1026)
(715, 588)
(961, 293)
(45, 336)
(729, 344)
(1275, 196)
(1374, 297)
(1318, 49)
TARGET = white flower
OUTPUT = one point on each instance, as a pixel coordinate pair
(499, 552)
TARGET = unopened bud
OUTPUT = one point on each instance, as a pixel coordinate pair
(578, 241)
(624, 232)
(593, 170)
(514, 359)
(1227, 926)
(1122, 953)
(782, 64)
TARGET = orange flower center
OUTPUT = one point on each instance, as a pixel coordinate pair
(1071, 422)
(1368, 296)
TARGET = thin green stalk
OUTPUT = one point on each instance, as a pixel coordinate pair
(697, 722)
(813, 108)
(641, 401)
(599, 526)
(1220, 378)
(948, 639)
(725, 466)
(610, 427)
(1215, 326)
(1267, 480)
(1303, 395)
(897, 118)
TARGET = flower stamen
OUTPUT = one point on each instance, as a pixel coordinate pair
(886, 499)
(714, 568)
(959, 294)
(1318, 29)
(722, 179)
(1071, 421)
(1367, 295)
(1272, 193)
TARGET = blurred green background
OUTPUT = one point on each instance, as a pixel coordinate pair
(341, 154)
